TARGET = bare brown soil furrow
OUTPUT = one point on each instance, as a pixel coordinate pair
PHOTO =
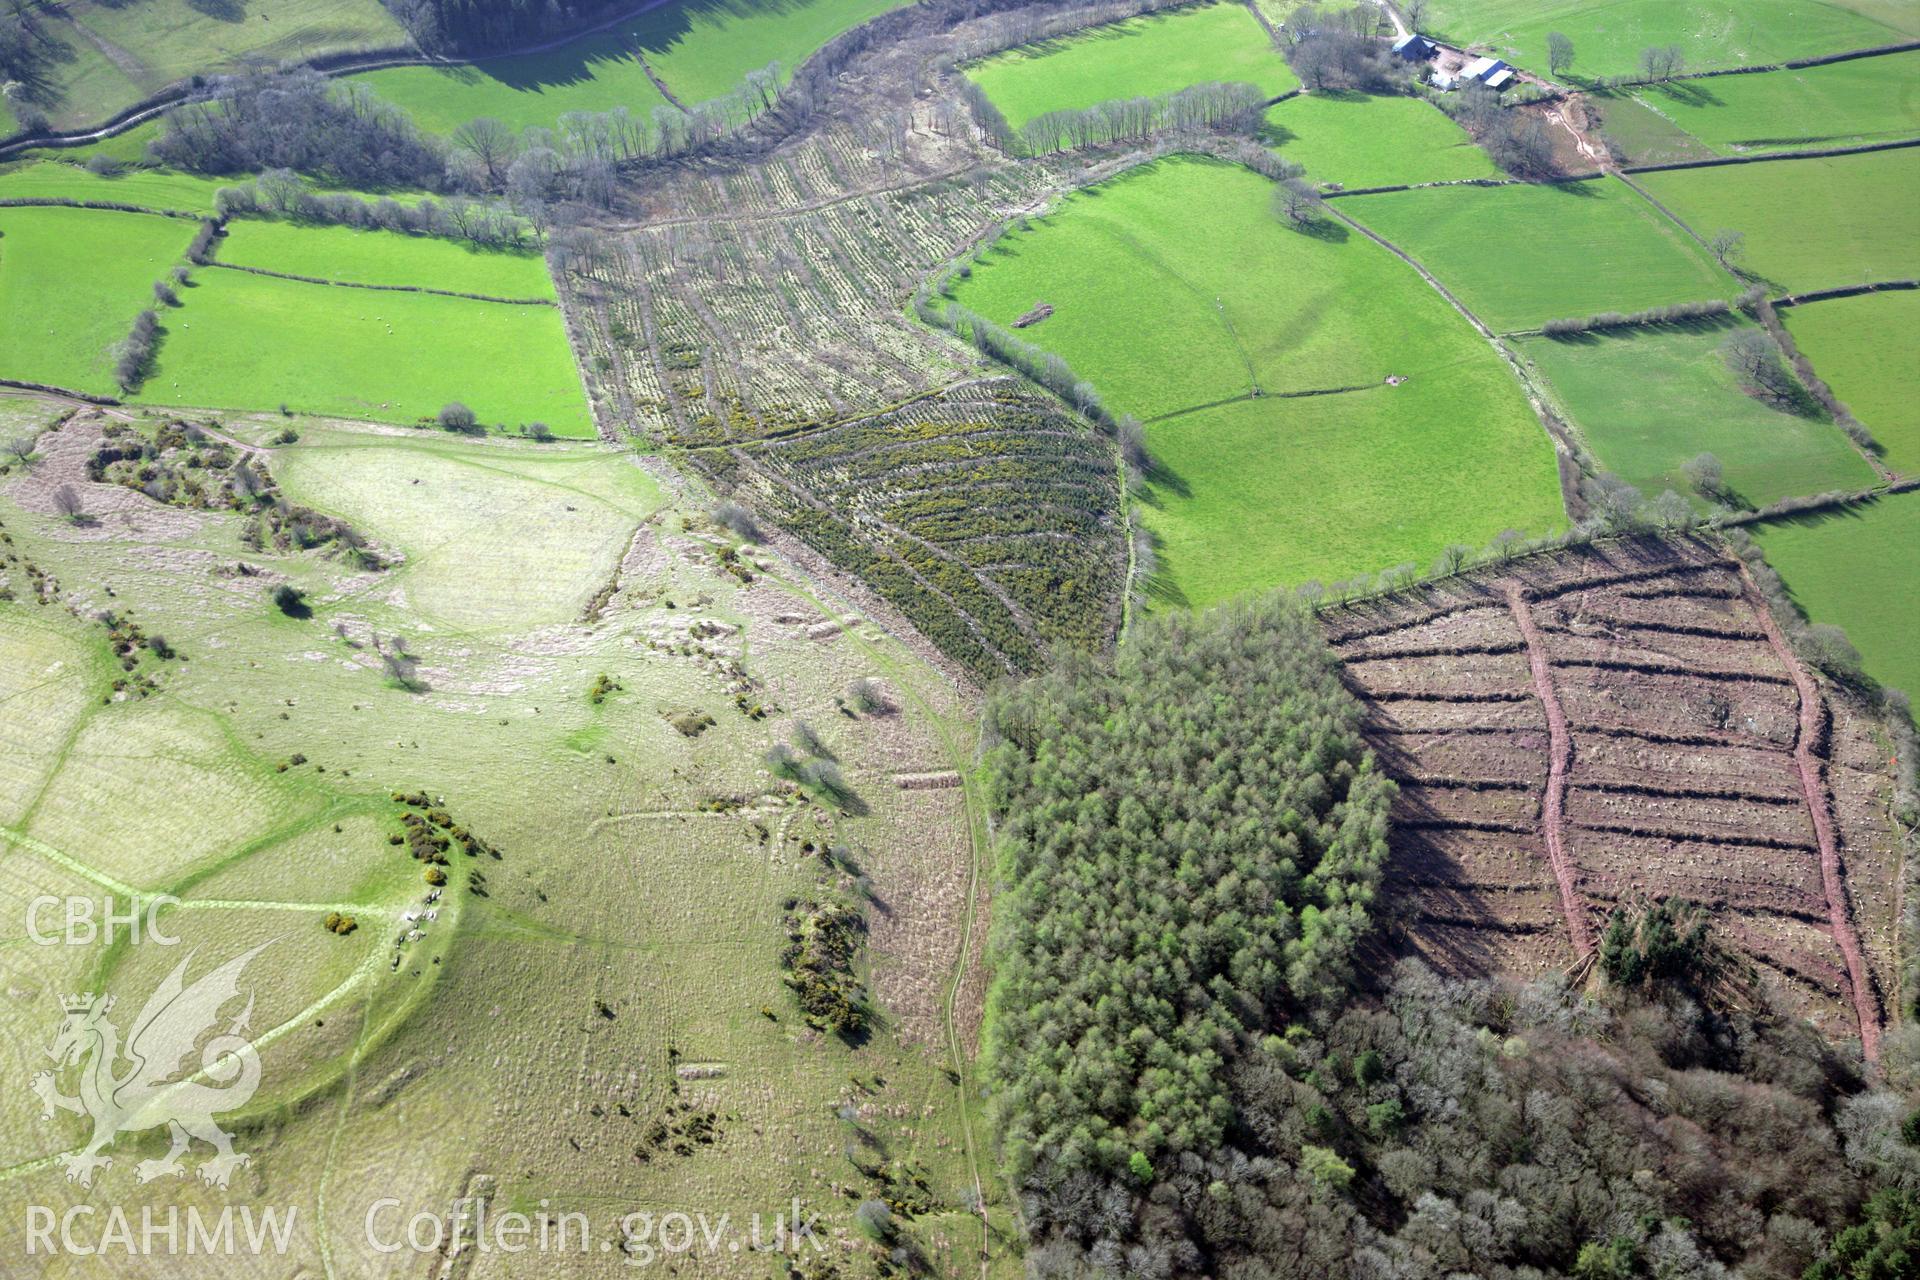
(1438, 651)
(1473, 922)
(1396, 695)
(1465, 824)
(1813, 729)
(1608, 763)
(1698, 593)
(1662, 737)
(1663, 572)
(1560, 759)
(1649, 830)
(1465, 784)
(1671, 669)
(1668, 628)
(1660, 792)
(1368, 631)
(1770, 910)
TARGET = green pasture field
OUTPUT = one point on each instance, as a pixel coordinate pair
(1865, 100)
(1856, 569)
(594, 73)
(1641, 133)
(115, 54)
(385, 257)
(1163, 320)
(1608, 35)
(590, 980)
(1524, 254)
(700, 49)
(1139, 58)
(1810, 224)
(159, 189)
(703, 49)
(243, 341)
(1863, 347)
(71, 283)
(1358, 140)
(1648, 400)
(1171, 326)
(1276, 492)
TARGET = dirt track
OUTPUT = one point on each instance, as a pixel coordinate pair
(1813, 785)
(1560, 747)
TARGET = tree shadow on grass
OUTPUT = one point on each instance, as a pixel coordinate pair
(1331, 230)
(654, 32)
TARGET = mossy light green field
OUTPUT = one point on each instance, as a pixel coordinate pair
(698, 49)
(161, 190)
(1284, 491)
(1857, 570)
(1839, 104)
(109, 56)
(1608, 35)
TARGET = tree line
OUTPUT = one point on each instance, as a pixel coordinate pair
(1215, 106)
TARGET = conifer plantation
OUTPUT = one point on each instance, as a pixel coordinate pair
(1189, 837)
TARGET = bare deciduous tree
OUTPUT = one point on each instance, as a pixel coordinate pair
(492, 145)
(1559, 52)
(1727, 246)
(67, 502)
(1297, 201)
(1704, 473)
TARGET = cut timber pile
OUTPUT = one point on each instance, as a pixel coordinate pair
(1040, 312)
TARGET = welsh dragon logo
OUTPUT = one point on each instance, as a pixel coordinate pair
(152, 1088)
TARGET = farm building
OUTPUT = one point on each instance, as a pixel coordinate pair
(1414, 47)
(1501, 80)
(1484, 70)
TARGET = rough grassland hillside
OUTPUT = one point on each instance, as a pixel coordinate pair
(567, 660)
